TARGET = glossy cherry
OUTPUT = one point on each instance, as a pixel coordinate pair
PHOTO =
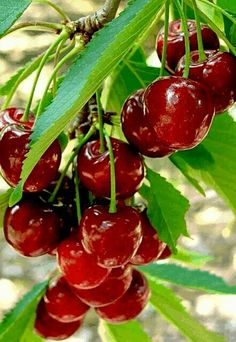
(165, 254)
(137, 130)
(116, 284)
(79, 268)
(175, 42)
(14, 146)
(11, 116)
(130, 304)
(49, 328)
(113, 238)
(32, 227)
(151, 247)
(62, 304)
(94, 169)
(179, 110)
(217, 72)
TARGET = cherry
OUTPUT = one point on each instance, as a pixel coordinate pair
(113, 238)
(32, 227)
(94, 169)
(13, 115)
(179, 110)
(116, 284)
(175, 42)
(14, 146)
(165, 254)
(137, 130)
(62, 304)
(49, 328)
(218, 72)
(151, 247)
(130, 304)
(79, 268)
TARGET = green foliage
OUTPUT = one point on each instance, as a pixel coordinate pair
(10, 11)
(192, 258)
(227, 5)
(166, 208)
(4, 199)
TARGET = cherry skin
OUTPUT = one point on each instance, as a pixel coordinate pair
(10, 116)
(14, 146)
(79, 268)
(151, 247)
(218, 72)
(137, 130)
(179, 110)
(130, 304)
(116, 284)
(165, 254)
(62, 304)
(176, 45)
(31, 227)
(113, 238)
(49, 328)
(94, 169)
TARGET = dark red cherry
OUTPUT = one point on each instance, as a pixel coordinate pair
(151, 247)
(217, 72)
(175, 42)
(165, 254)
(14, 146)
(62, 304)
(94, 169)
(180, 111)
(137, 130)
(113, 238)
(49, 328)
(78, 267)
(32, 227)
(11, 116)
(116, 284)
(130, 304)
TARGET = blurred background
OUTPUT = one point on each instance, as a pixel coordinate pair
(211, 224)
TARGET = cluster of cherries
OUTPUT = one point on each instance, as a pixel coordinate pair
(97, 259)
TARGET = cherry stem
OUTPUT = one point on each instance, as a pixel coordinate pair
(56, 8)
(77, 195)
(62, 37)
(100, 121)
(186, 39)
(74, 52)
(38, 25)
(202, 55)
(70, 161)
(56, 61)
(225, 13)
(112, 208)
(166, 29)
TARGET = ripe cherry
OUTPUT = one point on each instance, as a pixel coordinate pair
(32, 227)
(11, 116)
(113, 238)
(116, 284)
(14, 146)
(94, 169)
(137, 130)
(151, 247)
(130, 304)
(179, 110)
(49, 328)
(79, 268)
(217, 72)
(62, 304)
(175, 42)
(165, 254)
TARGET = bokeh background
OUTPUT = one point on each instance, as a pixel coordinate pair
(210, 223)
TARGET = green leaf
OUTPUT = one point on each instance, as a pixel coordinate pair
(169, 305)
(16, 322)
(4, 198)
(212, 13)
(16, 195)
(10, 11)
(227, 5)
(131, 331)
(102, 54)
(166, 208)
(190, 278)
(29, 335)
(193, 258)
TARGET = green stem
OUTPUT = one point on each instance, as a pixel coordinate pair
(166, 28)
(202, 55)
(77, 195)
(186, 40)
(112, 208)
(56, 61)
(225, 13)
(56, 8)
(39, 25)
(70, 55)
(70, 161)
(100, 122)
